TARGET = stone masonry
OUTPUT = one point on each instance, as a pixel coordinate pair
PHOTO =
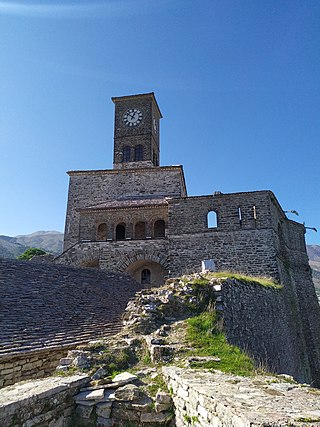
(137, 218)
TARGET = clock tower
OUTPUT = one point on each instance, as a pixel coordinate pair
(136, 131)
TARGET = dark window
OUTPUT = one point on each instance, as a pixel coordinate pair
(140, 230)
(159, 229)
(155, 159)
(212, 220)
(102, 232)
(126, 154)
(120, 232)
(138, 153)
(145, 277)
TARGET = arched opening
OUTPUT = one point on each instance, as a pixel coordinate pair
(140, 230)
(147, 272)
(121, 231)
(212, 219)
(102, 232)
(159, 229)
(145, 277)
(126, 154)
(138, 153)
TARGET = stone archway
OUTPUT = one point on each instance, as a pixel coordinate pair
(143, 268)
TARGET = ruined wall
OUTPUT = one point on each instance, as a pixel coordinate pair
(30, 364)
(88, 188)
(206, 399)
(45, 403)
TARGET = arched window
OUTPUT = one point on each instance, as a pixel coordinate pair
(126, 154)
(102, 232)
(212, 220)
(145, 277)
(140, 230)
(159, 229)
(138, 153)
(121, 231)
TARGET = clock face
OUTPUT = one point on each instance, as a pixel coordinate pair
(132, 117)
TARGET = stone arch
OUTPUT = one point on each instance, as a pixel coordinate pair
(159, 229)
(121, 231)
(147, 272)
(140, 230)
(102, 232)
(134, 262)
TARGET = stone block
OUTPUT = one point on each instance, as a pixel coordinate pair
(104, 422)
(84, 411)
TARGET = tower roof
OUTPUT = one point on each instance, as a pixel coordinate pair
(141, 95)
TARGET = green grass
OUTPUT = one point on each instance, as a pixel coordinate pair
(263, 281)
(204, 335)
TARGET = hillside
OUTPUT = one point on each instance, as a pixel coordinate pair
(11, 247)
(314, 257)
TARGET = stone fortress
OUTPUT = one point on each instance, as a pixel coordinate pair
(137, 218)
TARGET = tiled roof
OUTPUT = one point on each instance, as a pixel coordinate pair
(127, 203)
(45, 305)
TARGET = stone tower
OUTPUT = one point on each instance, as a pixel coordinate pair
(136, 131)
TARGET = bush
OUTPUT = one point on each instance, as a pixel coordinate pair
(31, 252)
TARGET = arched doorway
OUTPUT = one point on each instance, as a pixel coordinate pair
(121, 231)
(147, 272)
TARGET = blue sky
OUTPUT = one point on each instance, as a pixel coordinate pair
(237, 81)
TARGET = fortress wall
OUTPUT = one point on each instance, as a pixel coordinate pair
(189, 215)
(263, 322)
(117, 255)
(246, 251)
(88, 188)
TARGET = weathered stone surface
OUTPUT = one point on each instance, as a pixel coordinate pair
(124, 378)
(90, 395)
(84, 411)
(128, 392)
(217, 399)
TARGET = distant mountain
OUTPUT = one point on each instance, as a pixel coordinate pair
(50, 241)
(314, 257)
(313, 252)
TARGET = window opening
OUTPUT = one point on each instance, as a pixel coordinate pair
(126, 154)
(159, 229)
(120, 232)
(254, 212)
(240, 216)
(212, 220)
(102, 232)
(138, 153)
(145, 277)
(140, 230)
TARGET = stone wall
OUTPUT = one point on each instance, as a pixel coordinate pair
(45, 402)
(89, 188)
(205, 399)
(30, 364)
